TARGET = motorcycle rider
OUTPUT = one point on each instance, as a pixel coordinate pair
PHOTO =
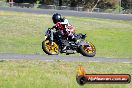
(65, 27)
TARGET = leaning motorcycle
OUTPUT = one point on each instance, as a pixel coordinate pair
(54, 44)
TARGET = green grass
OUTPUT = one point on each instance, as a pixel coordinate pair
(56, 74)
(24, 32)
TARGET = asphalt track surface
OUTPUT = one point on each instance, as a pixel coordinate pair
(9, 56)
(71, 13)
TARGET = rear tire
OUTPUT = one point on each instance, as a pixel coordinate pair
(84, 50)
(50, 49)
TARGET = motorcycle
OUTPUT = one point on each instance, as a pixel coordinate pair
(56, 43)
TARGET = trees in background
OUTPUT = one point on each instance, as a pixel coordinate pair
(23, 1)
(107, 4)
(126, 4)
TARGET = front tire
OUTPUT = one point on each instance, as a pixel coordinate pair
(50, 49)
(88, 50)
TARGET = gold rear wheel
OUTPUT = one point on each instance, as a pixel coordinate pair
(88, 50)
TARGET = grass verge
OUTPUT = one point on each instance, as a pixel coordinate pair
(56, 74)
(24, 32)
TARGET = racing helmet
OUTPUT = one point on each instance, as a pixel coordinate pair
(56, 18)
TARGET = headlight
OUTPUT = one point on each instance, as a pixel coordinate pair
(45, 37)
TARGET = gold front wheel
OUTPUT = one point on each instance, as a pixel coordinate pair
(50, 49)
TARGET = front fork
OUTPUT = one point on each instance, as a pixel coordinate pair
(51, 37)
